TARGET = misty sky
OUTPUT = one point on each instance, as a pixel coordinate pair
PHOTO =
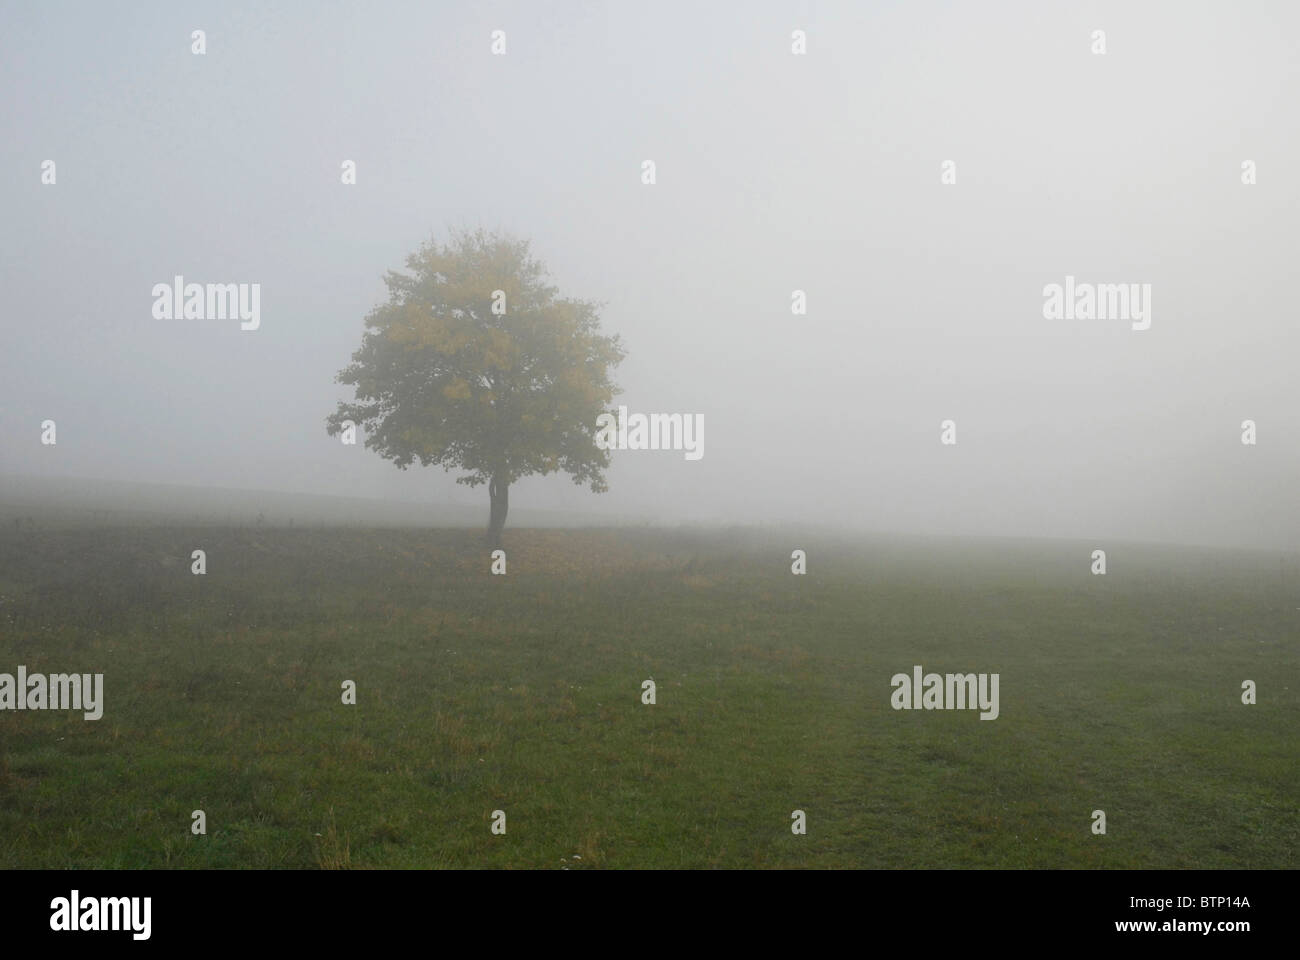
(775, 172)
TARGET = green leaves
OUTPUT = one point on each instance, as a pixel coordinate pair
(444, 378)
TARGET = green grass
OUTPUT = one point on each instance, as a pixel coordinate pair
(522, 693)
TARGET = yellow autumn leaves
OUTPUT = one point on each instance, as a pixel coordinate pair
(458, 389)
(483, 348)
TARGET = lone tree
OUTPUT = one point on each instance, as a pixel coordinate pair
(475, 364)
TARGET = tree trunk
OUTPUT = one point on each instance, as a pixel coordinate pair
(499, 493)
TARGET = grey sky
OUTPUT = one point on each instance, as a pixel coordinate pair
(775, 172)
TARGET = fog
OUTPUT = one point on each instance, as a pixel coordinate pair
(775, 172)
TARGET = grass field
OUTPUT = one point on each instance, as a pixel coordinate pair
(522, 693)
